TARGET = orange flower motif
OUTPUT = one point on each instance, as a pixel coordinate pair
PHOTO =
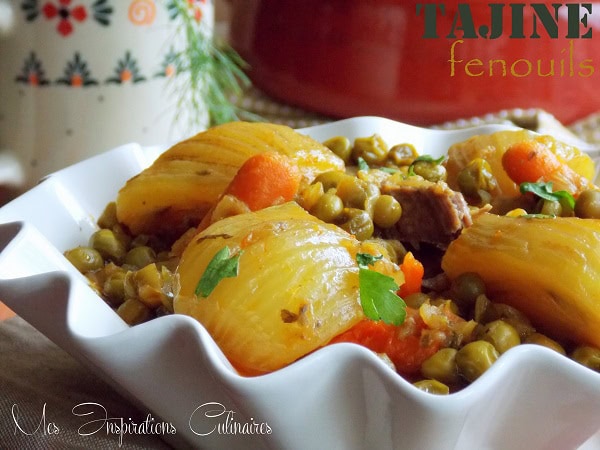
(32, 72)
(126, 75)
(76, 80)
(126, 71)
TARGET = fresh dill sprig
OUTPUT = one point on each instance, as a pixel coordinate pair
(210, 72)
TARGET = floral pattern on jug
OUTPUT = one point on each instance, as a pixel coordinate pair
(32, 72)
(126, 69)
(77, 74)
(67, 13)
(170, 65)
(115, 64)
(142, 12)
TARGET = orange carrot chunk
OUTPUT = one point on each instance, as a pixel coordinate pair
(264, 180)
(529, 161)
(407, 345)
(413, 272)
(532, 161)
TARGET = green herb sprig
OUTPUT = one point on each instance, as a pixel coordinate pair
(362, 164)
(378, 296)
(212, 72)
(222, 265)
(544, 190)
(424, 158)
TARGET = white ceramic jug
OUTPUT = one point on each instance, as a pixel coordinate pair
(78, 77)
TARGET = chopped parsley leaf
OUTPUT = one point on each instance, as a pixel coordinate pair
(222, 265)
(378, 296)
(425, 158)
(365, 260)
(544, 190)
(362, 164)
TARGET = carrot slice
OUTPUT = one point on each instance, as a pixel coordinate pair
(413, 272)
(264, 180)
(532, 161)
(407, 345)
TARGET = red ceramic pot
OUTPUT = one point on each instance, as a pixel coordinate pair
(352, 57)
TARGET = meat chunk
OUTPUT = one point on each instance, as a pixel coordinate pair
(432, 213)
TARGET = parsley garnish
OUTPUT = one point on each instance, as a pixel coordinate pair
(544, 190)
(362, 164)
(222, 265)
(378, 296)
(425, 158)
(365, 260)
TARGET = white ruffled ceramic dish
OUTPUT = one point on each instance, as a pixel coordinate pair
(341, 397)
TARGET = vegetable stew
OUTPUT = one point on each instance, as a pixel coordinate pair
(280, 245)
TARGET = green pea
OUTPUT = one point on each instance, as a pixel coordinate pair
(466, 288)
(85, 259)
(353, 192)
(430, 171)
(372, 149)
(330, 179)
(140, 256)
(358, 223)
(109, 246)
(587, 205)
(513, 316)
(475, 358)
(549, 208)
(467, 183)
(416, 299)
(122, 235)
(481, 311)
(432, 387)
(545, 341)
(501, 335)
(588, 356)
(476, 176)
(402, 154)
(328, 207)
(341, 146)
(149, 283)
(386, 211)
(566, 208)
(441, 366)
(394, 248)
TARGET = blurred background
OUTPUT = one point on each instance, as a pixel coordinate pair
(302, 63)
(349, 58)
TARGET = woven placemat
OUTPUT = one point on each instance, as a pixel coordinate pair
(587, 129)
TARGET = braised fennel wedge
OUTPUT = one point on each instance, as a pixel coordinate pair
(296, 285)
(548, 268)
(186, 181)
